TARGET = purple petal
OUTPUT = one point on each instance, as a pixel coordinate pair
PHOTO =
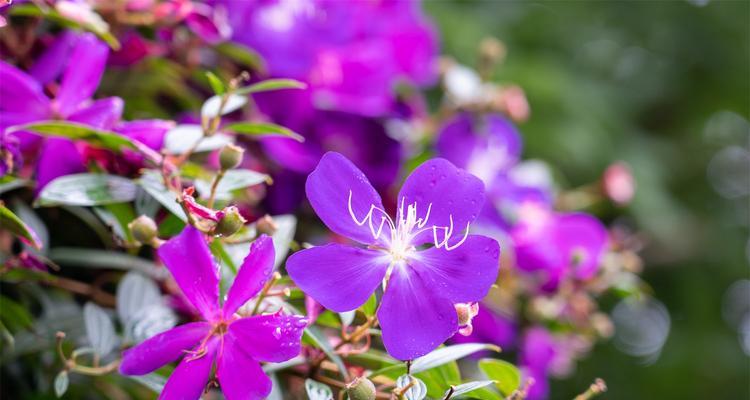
(189, 379)
(59, 157)
(415, 318)
(340, 277)
(582, 239)
(490, 327)
(50, 64)
(485, 146)
(148, 131)
(20, 93)
(208, 24)
(254, 272)
(189, 260)
(162, 349)
(269, 338)
(464, 274)
(453, 193)
(83, 74)
(101, 114)
(328, 188)
(240, 376)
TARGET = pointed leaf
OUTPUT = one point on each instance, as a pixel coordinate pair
(99, 329)
(272, 84)
(447, 354)
(87, 190)
(261, 129)
(76, 131)
(505, 374)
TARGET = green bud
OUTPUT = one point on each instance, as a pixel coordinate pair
(361, 389)
(230, 223)
(230, 156)
(143, 229)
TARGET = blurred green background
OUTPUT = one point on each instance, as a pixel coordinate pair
(665, 86)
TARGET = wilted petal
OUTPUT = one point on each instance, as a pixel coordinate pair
(59, 157)
(189, 379)
(163, 348)
(453, 193)
(101, 114)
(82, 74)
(253, 274)
(340, 277)
(21, 93)
(51, 63)
(415, 317)
(328, 188)
(189, 260)
(464, 274)
(240, 376)
(269, 338)
(582, 239)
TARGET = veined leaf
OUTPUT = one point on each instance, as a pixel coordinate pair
(506, 376)
(76, 131)
(318, 391)
(87, 190)
(447, 354)
(151, 182)
(181, 138)
(99, 329)
(272, 84)
(212, 107)
(417, 390)
(10, 222)
(233, 180)
(261, 129)
(468, 387)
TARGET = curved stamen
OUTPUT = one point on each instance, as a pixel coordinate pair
(368, 218)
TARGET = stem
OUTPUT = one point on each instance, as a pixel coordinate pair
(596, 388)
(214, 186)
(266, 288)
(77, 287)
(96, 371)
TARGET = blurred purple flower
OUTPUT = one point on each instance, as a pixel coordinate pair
(333, 45)
(490, 327)
(235, 344)
(422, 284)
(22, 100)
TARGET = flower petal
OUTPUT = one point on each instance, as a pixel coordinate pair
(269, 338)
(83, 74)
(189, 379)
(415, 318)
(163, 348)
(328, 188)
(464, 274)
(253, 274)
(101, 114)
(340, 277)
(150, 132)
(582, 240)
(59, 157)
(21, 93)
(240, 376)
(454, 194)
(189, 260)
(49, 65)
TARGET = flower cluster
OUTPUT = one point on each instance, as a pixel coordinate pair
(191, 142)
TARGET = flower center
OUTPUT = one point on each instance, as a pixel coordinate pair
(406, 228)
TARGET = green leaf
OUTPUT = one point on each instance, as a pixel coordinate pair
(447, 354)
(216, 84)
(263, 129)
(468, 387)
(76, 131)
(151, 182)
(95, 23)
(87, 190)
(10, 222)
(317, 391)
(272, 84)
(14, 315)
(242, 55)
(100, 330)
(370, 306)
(90, 258)
(9, 183)
(181, 138)
(234, 179)
(506, 375)
(61, 383)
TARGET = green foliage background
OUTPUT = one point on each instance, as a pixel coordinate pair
(641, 82)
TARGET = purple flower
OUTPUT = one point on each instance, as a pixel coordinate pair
(425, 257)
(490, 327)
(22, 100)
(235, 344)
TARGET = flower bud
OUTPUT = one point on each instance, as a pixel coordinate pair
(230, 223)
(143, 229)
(361, 389)
(266, 225)
(230, 156)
